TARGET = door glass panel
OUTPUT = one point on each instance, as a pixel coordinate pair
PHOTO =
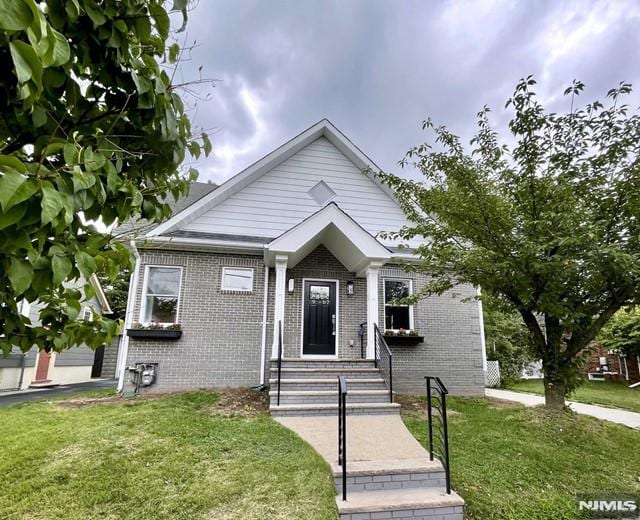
(319, 294)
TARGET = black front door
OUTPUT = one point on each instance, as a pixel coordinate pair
(319, 336)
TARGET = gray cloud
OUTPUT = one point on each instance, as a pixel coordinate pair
(377, 68)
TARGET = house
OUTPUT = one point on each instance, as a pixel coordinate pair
(37, 368)
(602, 364)
(289, 248)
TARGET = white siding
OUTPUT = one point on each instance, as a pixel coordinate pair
(279, 200)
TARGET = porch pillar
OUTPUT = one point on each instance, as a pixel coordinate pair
(372, 307)
(278, 304)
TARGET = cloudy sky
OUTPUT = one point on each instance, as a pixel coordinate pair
(377, 68)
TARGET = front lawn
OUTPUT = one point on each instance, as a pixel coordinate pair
(182, 456)
(607, 393)
(514, 463)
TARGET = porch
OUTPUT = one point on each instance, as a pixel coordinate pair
(324, 287)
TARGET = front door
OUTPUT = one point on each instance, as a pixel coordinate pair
(319, 327)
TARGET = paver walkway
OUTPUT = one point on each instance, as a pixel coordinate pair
(616, 415)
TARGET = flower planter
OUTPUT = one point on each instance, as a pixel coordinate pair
(404, 341)
(154, 334)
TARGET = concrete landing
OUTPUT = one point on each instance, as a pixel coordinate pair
(370, 438)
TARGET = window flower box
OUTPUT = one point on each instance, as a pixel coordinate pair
(402, 338)
(155, 331)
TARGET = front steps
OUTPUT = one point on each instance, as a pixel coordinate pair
(389, 474)
(310, 387)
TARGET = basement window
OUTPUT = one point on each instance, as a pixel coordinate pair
(237, 279)
(322, 193)
(397, 316)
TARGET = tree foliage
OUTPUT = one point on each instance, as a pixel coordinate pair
(92, 128)
(507, 339)
(549, 223)
(117, 291)
(622, 333)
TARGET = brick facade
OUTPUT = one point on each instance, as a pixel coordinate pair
(222, 332)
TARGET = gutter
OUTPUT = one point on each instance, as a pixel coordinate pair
(123, 351)
(264, 324)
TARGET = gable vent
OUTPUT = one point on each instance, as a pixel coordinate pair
(321, 193)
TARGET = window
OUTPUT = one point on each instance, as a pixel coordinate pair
(397, 316)
(161, 294)
(237, 279)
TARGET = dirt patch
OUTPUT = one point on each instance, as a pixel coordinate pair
(416, 405)
(241, 402)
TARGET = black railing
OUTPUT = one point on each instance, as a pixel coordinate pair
(437, 400)
(279, 358)
(342, 432)
(362, 332)
(384, 360)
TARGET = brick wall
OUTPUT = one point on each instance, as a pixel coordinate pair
(221, 339)
(222, 332)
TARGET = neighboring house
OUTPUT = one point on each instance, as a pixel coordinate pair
(603, 364)
(292, 240)
(37, 368)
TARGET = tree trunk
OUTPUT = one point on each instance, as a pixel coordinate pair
(554, 390)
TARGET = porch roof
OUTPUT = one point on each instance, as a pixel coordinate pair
(349, 242)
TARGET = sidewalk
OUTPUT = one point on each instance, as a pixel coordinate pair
(32, 394)
(616, 415)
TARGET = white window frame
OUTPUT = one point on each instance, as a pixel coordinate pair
(143, 303)
(236, 268)
(384, 295)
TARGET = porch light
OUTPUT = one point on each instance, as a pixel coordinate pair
(350, 288)
(291, 285)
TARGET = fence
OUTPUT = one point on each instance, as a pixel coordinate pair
(493, 374)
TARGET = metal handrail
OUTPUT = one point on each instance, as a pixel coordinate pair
(279, 358)
(342, 432)
(384, 360)
(441, 406)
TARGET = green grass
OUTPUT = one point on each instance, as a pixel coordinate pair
(608, 393)
(516, 463)
(175, 457)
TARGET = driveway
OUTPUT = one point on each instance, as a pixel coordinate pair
(616, 415)
(32, 394)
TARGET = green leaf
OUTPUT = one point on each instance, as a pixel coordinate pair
(174, 52)
(51, 204)
(70, 154)
(94, 12)
(206, 144)
(15, 15)
(72, 9)
(39, 116)
(10, 181)
(15, 214)
(20, 275)
(26, 63)
(86, 263)
(61, 52)
(23, 192)
(13, 162)
(61, 266)
(161, 20)
(93, 160)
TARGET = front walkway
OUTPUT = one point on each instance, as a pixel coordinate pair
(616, 415)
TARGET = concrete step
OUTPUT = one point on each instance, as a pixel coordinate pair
(390, 474)
(329, 396)
(401, 504)
(323, 363)
(325, 373)
(332, 409)
(310, 384)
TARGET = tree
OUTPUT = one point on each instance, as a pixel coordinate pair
(551, 223)
(622, 333)
(507, 339)
(92, 128)
(117, 291)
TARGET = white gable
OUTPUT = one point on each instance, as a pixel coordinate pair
(280, 198)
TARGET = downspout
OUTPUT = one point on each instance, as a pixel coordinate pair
(263, 350)
(482, 338)
(123, 351)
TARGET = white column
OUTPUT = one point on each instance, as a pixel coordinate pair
(372, 307)
(278, 304)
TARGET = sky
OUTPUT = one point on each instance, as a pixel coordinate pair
(377, 68)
